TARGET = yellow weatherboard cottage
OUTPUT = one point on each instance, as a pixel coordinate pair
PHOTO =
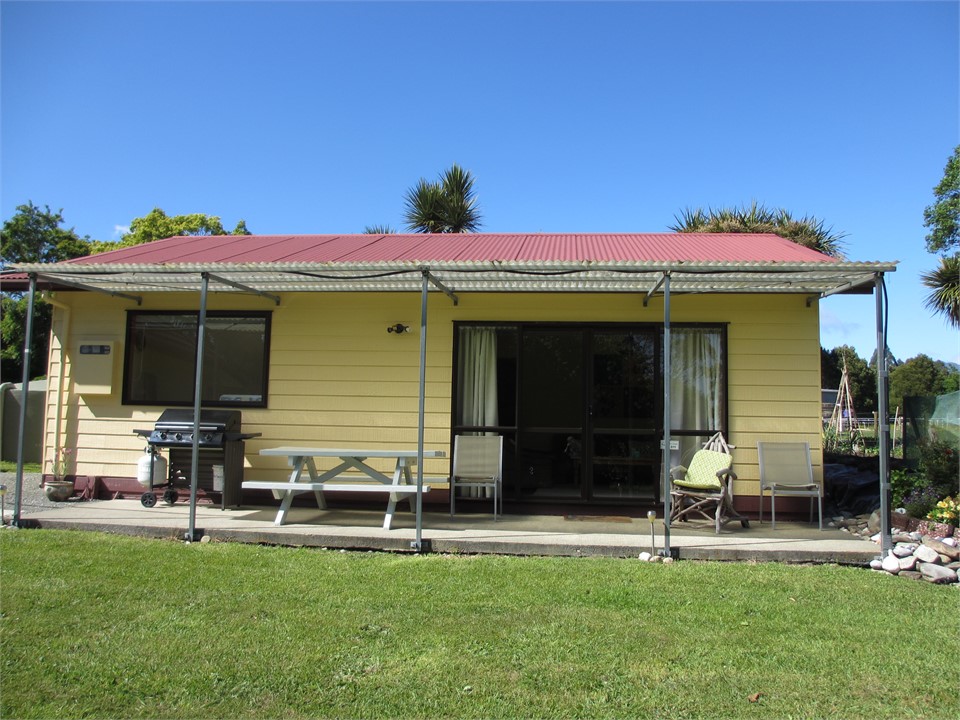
(599, 358)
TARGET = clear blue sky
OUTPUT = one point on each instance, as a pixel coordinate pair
(574, 117)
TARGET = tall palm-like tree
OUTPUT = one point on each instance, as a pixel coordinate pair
(944, 283)
(379, 230)
(446, 206)
(807, 231)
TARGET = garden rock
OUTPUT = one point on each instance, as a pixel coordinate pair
(943, 548)
(908, 563)
(921, 560)
(937, 573)
(903, 549)
(891, 564)
(926, 554)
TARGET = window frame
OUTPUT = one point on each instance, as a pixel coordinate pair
(128, 359)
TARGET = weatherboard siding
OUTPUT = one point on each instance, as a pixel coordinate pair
(338, 378)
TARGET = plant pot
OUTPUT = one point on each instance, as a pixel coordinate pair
(58, 490)
(941, 530)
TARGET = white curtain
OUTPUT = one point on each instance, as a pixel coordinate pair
(695, 385)
(478, 382)
(478, 376)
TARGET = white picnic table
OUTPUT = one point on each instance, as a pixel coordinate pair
(304, 476)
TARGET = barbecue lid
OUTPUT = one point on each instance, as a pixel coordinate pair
(225, 420)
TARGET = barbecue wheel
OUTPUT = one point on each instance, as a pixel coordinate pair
(148, 499)
(169, 496)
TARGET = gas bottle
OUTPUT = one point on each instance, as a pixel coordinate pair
(159, 468)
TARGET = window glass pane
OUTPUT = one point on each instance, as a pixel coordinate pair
(551, 393)
(624, 383)
(161, 355)
(696, 392)
(233, 363)
(160, 358)
(486, 376)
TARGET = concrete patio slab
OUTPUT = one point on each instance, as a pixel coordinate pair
(466, 533)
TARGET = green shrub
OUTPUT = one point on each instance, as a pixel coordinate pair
(840, 443)
(940, 466)
(920, 502)
(903, 482)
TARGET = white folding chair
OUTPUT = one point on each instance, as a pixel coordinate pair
(785, 469)
(477, 463)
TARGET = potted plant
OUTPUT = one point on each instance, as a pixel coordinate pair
(943, 517)
(60, 489)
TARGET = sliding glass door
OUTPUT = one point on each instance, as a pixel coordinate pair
(580, 406)
(622, 415)
(551, 414)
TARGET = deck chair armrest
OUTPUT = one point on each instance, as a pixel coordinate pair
(678, 472)
(728, 473)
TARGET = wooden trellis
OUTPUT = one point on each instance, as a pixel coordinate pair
(844, 417)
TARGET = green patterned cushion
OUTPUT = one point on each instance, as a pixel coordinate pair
(702, 473)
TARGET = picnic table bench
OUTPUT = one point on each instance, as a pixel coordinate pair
(398, 487)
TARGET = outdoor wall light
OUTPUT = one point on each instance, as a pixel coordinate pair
(398, 328)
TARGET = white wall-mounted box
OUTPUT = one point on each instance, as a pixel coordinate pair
(93, 366)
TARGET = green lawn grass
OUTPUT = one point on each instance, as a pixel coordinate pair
(95, 625)
(10, 466)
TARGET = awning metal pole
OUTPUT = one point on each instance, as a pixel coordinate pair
(883, 414)
(197, 396)
(667, 414)
(418, 543)
(24, 390)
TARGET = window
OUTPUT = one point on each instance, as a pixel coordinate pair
(161, 353)
(697, 386)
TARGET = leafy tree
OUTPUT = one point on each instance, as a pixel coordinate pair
(807, 231)
(446, 206)
(943, 217)
(35, 235)
(32, 235)
(157, 225)
(829, 370)
(919, 376)
(378, 230)
(13, 314)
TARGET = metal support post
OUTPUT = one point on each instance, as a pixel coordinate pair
(24, 391)
(883, 414)
(197, 397)
(665, 458)
(425, 288)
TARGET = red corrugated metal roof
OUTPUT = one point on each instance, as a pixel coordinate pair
(473, 247)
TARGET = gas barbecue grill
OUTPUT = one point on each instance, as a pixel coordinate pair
(220, 443)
